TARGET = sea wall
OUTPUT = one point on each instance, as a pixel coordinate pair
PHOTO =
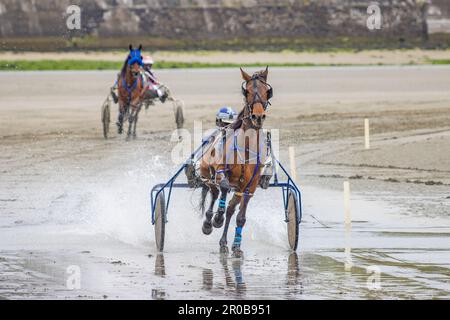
(209, 19)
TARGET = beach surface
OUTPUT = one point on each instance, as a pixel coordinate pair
(75, 205)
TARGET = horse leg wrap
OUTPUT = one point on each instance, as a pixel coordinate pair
(237, 238)
(222, 204)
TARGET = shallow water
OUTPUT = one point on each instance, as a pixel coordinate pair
(111, 241)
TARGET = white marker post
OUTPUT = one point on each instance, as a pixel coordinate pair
(367, 133)
(292, 164)
(347, 217)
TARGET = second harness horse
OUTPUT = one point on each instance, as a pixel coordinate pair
(131, 90)
(136, 86)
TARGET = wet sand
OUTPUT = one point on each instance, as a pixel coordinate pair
(70, 198)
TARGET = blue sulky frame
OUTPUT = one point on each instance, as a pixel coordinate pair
(286, 187)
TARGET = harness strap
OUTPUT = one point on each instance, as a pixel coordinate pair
(241, 194)
(131, 88)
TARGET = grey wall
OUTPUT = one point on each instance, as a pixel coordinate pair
(209, 19)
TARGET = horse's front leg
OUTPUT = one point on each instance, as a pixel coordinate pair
(230, 212)
(224, 189)
(207, 224)
(240, 222)
(131, 120)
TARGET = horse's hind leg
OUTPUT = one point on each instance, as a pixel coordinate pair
(230, 211)
(119, 122)
(135, 124)
(207, 224)
(130, 123)
(224, 189)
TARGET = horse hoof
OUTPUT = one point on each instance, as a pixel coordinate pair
(218, 221)
(223, 249)
(238, 253)
(207, 228)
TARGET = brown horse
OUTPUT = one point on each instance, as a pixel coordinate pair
(131, 90)
(231, 166)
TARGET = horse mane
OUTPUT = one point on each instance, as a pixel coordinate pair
(238, 123)
(124, 67)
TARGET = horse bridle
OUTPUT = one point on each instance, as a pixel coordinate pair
(256, 97)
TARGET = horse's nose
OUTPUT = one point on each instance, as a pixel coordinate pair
(258, 118)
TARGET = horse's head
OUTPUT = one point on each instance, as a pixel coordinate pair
(257, 93)
(135, 60)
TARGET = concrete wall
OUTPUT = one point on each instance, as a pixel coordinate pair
(439, 16)
(209, 19)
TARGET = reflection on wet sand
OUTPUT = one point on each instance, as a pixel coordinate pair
(208, 279)
(237, 281)
(233, 279)
(235, 284)
(160, 268)
(284, 276)
(294, 284)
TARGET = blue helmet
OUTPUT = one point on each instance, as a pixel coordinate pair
(226, 115)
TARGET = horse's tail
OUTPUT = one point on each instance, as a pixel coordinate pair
(205, 191)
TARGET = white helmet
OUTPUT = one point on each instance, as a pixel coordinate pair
(225, 115)
(148, 60)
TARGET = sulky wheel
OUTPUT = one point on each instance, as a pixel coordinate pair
(160, 221)
(293, 223)
(106, 118)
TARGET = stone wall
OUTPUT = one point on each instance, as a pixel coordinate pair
(209, 19)
(439, 16)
